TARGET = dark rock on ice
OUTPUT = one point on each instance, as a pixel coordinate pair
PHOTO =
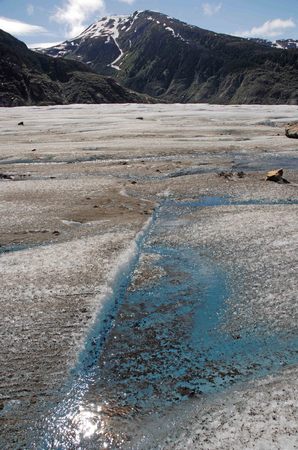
(276, 176)
(292, 130)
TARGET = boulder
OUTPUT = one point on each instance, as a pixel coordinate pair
(274, 175)
(292, 130)
(277, 176)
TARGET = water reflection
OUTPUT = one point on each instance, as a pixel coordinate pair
(84, 426)
(86, 423)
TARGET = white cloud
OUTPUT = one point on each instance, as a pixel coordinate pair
(44, 44)
(271, 28)
(30, 9)
(74, 14)
(18, 28)
(210, 9)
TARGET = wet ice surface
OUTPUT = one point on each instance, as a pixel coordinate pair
(204, 300)
(258, 415)
(169, 341)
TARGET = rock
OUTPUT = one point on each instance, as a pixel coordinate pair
(185, 391)
(277, 176)
(226, 175)
(6, 176)
(236, 336)
(230, 175)
(274, 175)
(292, 130)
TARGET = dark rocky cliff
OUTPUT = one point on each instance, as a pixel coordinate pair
(29, 78)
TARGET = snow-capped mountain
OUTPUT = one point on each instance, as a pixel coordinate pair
(113, 37)
(106, 29)
(158, 55)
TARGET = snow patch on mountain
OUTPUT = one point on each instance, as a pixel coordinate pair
(110, 28)
(167, 27)
(176, 35)
(107, 26)
(115, 35)
(286, 43)
(133, 21)
(282, 44)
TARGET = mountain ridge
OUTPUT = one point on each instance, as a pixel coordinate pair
(282, 44)
(29, 78)
(158, 55)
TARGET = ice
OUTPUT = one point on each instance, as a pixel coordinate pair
(95, 177)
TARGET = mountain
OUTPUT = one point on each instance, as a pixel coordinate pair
(284, 44)
(29, 78)
(173, 61)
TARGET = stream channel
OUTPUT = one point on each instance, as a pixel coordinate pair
(158, 342)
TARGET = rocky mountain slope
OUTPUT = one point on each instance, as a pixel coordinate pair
(285, 44)
(29, 78)
(171, 60)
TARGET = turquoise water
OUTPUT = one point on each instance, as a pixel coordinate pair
(169, 343)
(14, 248)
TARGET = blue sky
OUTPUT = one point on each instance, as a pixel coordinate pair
(51, 21)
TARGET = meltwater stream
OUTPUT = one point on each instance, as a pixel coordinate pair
(158, 342)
